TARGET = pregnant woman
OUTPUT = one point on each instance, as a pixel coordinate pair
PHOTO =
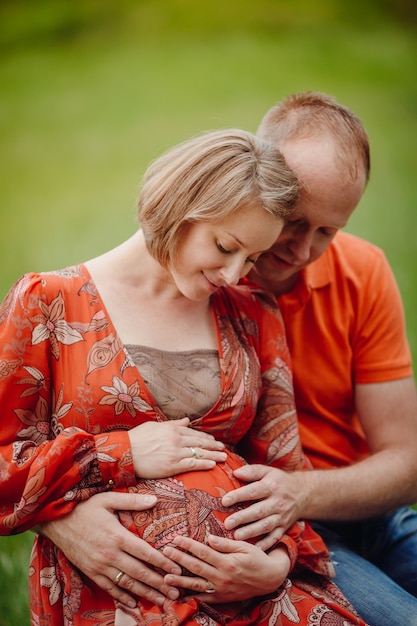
(145, 370)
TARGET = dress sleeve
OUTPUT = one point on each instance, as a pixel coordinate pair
(307, 549)
(45, 469)
(274, 438)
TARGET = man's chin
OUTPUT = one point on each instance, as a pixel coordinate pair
(271, 274)
(274, 266)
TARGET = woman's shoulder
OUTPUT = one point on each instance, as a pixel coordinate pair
(33, 280)
(45, 286)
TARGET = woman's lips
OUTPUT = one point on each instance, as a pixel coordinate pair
(212, 286)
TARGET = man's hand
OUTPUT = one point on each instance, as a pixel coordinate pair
(275, 506)
(226, 570)
(359, 491)
(94, 540)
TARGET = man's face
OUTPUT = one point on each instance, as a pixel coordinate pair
(327, 200)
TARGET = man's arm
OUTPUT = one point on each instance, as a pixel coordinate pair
(376, 485)
(105, 548)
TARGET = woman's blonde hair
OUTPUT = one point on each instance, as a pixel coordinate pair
(206, 179)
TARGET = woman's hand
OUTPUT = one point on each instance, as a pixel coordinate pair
(162, 449)
(226, 570)
(275, 497)
(95, 541)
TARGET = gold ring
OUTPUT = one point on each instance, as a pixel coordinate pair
(210, 588)
(118, 577)
(193, 452)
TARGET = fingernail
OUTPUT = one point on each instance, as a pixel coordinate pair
(213, 539)
(150, 499)
(159, 600)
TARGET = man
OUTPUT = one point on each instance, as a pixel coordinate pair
(354, 388)
(354, 385)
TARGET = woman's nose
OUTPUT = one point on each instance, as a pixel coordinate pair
(232, 272)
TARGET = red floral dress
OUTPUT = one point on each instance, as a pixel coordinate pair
(69, 392)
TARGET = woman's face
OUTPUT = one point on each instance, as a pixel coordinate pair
(215, 254)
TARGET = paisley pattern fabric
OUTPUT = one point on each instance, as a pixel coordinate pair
(69, 392)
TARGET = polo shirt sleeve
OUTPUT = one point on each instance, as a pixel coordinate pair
(379, 346)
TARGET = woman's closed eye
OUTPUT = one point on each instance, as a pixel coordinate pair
(223, 250)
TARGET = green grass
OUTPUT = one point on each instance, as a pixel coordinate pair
(92, 91)
(14, 563)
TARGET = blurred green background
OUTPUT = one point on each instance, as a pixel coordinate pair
(92, 90)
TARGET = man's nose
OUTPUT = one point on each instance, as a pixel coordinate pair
(300, 248)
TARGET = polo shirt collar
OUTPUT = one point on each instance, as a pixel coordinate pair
(314, 276)
(317, 274)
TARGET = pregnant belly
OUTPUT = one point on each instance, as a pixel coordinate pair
(188, 504)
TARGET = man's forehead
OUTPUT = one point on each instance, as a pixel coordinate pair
(297, 216)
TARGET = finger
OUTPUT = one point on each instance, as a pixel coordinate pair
(253, 491)
(251, 472)
(211, 554)
(201, 444)
(194, 458)
(202, 437)
(117, 593)
(142, 566)
(197, 564)
(191, 583)
(200, 451)
(258, 528)
(140, 589)
(271, 539)
(139, 578)
(118, 501)
(183, 421)
(140, 559)
(129, 596)
(207, 598)
(223, 545)
(207, 443)
(259, 513)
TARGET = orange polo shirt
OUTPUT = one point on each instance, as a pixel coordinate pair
(345, 325)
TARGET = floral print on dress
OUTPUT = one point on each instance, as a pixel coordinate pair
(69, 393)
(51, 324)
(125, 398)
